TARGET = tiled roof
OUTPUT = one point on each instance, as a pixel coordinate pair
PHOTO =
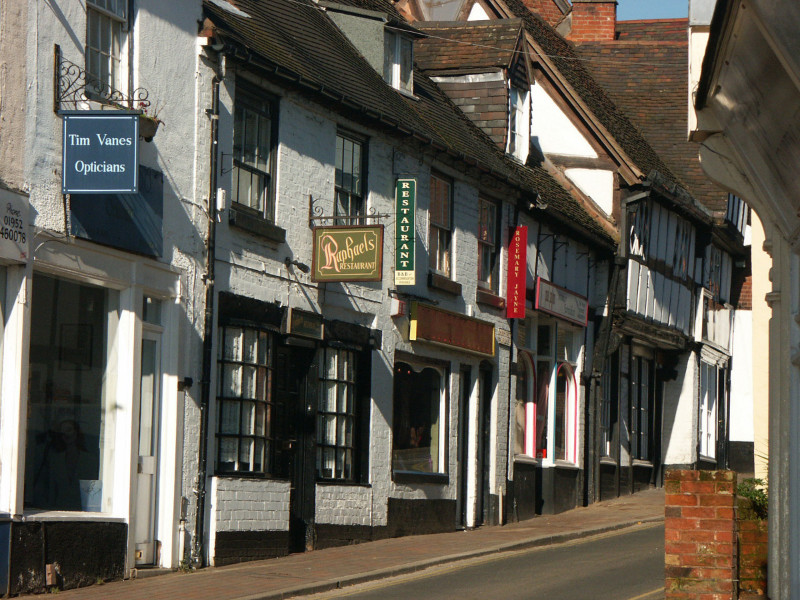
(647, 78)
(673, 30)
(295, 43)
(571, 65)
(467, 46)
(384, 6)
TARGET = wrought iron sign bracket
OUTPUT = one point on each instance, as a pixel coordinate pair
(315, 215)
(74, 87)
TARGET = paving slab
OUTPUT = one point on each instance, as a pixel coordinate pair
(322, 570)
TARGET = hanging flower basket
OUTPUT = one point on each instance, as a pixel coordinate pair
(148, 127)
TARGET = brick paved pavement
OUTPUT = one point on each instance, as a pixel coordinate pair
(337, 567)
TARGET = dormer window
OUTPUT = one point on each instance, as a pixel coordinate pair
(398, 61)
(518, 123)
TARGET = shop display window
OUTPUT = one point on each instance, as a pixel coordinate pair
(72, 403)
(418, 419)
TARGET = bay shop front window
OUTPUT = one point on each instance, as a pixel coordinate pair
(546, 406)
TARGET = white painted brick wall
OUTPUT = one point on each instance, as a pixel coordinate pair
(250, 505)
(344, 505)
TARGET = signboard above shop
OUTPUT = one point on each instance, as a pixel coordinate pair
(442, 327)
(15, 212)
(100, 152)
(345, 253)
(561, 303)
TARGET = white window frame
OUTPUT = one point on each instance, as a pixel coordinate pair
(111, 14)
(526, 398)
(707, 406)
(441, 233)
(394, 68)
(519, 122)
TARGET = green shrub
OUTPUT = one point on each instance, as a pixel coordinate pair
(755, 490)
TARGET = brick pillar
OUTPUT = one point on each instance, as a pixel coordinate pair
(700, 530)
(753, 556)
(593, 20)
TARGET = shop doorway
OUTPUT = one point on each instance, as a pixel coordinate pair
(485, 393)
(146, 552)
(465, 387)
(296, 392)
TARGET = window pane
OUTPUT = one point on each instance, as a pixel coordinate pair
(72, 405)
(542, 397)
(415, 427)
(406, 63)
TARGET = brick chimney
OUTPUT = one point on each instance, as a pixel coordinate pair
(593, 20)
(548, 10)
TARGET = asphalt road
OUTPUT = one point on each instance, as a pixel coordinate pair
(627, 565)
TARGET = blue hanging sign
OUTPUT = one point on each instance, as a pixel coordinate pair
(100, 153)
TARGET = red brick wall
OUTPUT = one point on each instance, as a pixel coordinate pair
(593, 20)
(700, 535)
(546, 9)
(753, 556)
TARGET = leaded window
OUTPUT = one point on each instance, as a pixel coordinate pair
(247, 414)
(336, 415)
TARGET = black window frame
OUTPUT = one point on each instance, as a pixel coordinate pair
(267, 106)
(274, 411)
(351, 216)
(493, 245)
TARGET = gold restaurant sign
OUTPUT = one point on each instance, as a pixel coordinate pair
(348, 253)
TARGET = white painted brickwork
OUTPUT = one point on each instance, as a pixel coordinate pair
(344, 505)
(250, 505)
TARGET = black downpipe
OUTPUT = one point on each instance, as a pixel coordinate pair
(513, 355)
(198, 554)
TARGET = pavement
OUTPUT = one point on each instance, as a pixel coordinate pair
(333, 568)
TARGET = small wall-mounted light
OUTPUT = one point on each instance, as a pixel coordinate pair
(296, 263)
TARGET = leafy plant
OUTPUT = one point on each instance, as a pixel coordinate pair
(755, 490)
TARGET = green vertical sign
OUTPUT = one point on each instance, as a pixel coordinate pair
(405, 204)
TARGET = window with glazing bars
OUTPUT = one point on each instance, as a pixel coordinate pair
(246, 411)
(105, 20)
(487, 245)
(440, 225)
(336, 415)
(252, 152)
(641, 398)
(350, 167)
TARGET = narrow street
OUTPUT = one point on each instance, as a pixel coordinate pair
(617, 566)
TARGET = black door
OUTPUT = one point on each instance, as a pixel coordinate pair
(296, 390)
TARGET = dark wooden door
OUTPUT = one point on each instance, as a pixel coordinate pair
(296, 387)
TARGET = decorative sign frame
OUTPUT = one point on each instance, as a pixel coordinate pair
(347, 253)
(517, 272)
(100, 152)
(562, 303)
(405, 232)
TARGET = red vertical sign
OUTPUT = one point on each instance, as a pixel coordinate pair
(517, 272)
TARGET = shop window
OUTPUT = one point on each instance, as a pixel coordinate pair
(488, 234)
(72, 402)
(441, 234)
(565, 409)
(524, 408)
(105, 21)
(398, 61)
(418, 435)
(253, 142)
(642, 393)
(555, 415)
(350, 173)
(608, 417)
(707, 408)
(336, 428)
(247, 413)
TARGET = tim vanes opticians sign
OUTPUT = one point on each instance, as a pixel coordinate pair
(100, 152)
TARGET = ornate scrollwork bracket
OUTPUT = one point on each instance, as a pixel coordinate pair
(316, 215)
(73, 87)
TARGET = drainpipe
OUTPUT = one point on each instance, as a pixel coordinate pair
(513, 353)
(198, 553)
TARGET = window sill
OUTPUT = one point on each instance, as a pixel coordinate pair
(443, 284)
(608, 460)
(565, 464)
(333, 482)
(489, 298)
(637, 462)
(256, 225)
(69, 515)
(419, 477)
(252, 477)
(525, 459)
